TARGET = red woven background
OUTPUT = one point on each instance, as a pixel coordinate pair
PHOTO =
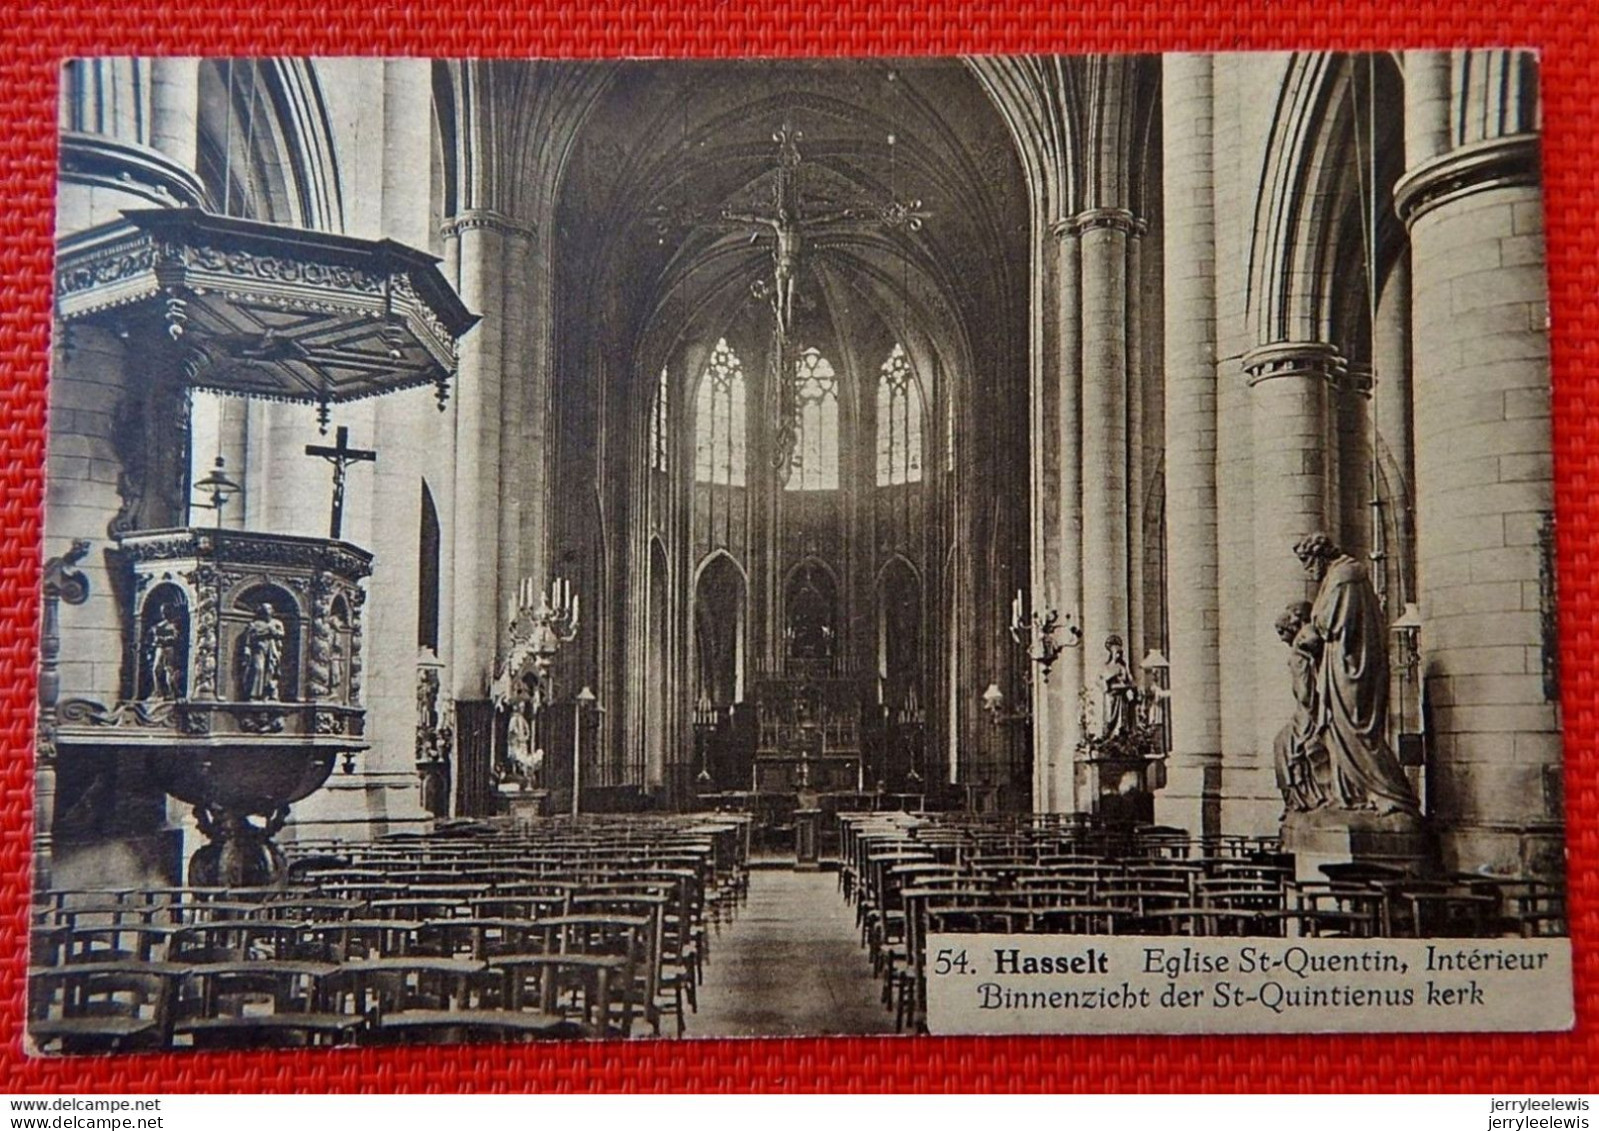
(36, 36)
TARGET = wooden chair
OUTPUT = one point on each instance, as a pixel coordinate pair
(116, 942)
(471, 1026)
(102, 1007)
(578, 989)
(1439, 909)
(378, 987)
(346, 940)
(600, 935)
(272, 1003)
(1338, 910)
(478, 938)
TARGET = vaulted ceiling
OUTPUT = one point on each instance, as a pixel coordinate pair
(644, 252)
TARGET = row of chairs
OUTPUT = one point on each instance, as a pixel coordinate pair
(573, 929)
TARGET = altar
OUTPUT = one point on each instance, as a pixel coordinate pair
(808, 735)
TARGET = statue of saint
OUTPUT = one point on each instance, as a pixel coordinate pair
(1352, 682)
(336, 669)
(1118, 692)
(519, 752)
(162, 650)
(436, 783)
(262, 645)
(1299, 754)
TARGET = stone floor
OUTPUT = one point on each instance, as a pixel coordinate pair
(789, 964)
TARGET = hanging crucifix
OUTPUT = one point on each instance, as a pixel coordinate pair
(790, 226)
(340, 455)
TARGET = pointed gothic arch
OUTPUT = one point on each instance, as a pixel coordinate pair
(721, 599)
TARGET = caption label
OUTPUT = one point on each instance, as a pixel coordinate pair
(999, 984)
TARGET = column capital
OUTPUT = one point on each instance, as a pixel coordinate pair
(1497, 163)
(1119, 219)
(1294, 359)
(471, 218)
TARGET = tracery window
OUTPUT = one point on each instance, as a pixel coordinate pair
(719, 420)
(658, 429)
(899, 422)
(815, 466)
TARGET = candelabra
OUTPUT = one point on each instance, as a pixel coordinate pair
(706, 720)
(1037, 634)
(539, 624)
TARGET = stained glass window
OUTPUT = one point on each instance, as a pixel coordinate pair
(719, 419)
(899, 422)
(815, 466)
(658, 429)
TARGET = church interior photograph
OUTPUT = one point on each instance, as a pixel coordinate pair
(563, 549)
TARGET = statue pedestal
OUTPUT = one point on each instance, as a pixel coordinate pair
(1354, 836)
(524, 804)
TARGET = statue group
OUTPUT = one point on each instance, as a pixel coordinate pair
(1333, 753)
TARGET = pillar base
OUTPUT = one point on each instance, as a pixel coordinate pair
(1352, 836)
(1191, 799)
(1536, 851)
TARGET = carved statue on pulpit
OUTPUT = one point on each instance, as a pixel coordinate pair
(336, 659)
(262, 657)
(163, 655)
(1351, 707)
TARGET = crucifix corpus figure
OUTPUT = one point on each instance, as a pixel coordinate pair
(788, 236)
(340, 455)
(789, 223)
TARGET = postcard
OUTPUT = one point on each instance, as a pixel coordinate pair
(667, 549)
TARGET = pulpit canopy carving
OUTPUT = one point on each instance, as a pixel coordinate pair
(268, 311)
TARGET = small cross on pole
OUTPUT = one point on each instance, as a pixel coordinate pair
(339, 455)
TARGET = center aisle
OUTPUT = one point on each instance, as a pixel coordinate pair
(790, 964)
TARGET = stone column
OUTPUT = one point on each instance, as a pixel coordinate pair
(1427, 114)
(477, 609)
(1067, 675)
(175, 109)
(1192, 797)
(1104, 235)
(517, 462)
(1135, 447)
(534, 275)
(1484, 482)
(406, 431)
(1391, 401)
(1289, 391)
(1045, 453)
(128, 138)
(1057, 510)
